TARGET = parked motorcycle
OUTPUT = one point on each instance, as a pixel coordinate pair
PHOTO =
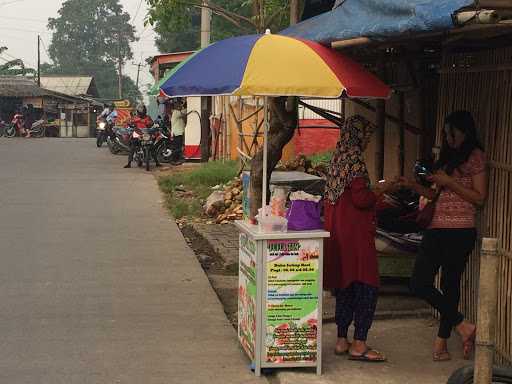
(38, 129)
(119, 140)
(397, 230)
(16, 128)
(164, 148)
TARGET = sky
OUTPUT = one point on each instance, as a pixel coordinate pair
(22, 20)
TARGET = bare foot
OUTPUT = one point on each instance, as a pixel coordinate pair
(467, 332)
(440, 350)
(360, 351)
(342, 346)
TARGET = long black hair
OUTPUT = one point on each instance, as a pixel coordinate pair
(450, 158)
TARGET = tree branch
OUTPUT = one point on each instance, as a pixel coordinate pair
(226, 14)
(272, 17)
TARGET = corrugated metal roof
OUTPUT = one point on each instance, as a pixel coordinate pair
(19, 87)
(70, 85)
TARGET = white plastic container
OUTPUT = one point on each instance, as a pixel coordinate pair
(272, 223)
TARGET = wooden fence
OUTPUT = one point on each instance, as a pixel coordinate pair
(482, 83)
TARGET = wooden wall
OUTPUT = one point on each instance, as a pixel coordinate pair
(482, 83)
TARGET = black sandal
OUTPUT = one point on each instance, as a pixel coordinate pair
(364, 357)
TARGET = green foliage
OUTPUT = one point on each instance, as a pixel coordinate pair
(321, 158)
(88, 39)
(199, 182)
(14, 67)
(177, 22)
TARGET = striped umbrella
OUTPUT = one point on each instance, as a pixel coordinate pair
(271, 65)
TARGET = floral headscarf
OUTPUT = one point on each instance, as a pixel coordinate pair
(347, 162)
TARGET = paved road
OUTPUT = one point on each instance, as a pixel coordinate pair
(96, 283)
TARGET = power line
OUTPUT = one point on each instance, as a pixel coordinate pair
(45, 49)
(23, 19)
(137, 12)
(25, 30)
(10, 2)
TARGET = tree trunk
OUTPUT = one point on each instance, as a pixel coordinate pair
(283, 121)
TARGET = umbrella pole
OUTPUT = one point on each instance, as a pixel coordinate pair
(265, 153)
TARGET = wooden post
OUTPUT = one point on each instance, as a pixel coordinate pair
(487, 306)
(380, 137)
(401, 151)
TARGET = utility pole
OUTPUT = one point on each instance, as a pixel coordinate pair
(120, 66)
(206, 102)
(206, 19)
(38, 60)
(138, 73)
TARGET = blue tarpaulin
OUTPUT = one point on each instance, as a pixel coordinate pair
(378, 19)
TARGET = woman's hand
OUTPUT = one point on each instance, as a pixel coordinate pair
(441, 179)
(418, 188)
(385, 187)
(404, 182)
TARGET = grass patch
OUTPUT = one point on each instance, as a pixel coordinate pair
(320, 158)
(186, 190)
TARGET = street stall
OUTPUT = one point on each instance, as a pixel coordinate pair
(441, 56)
(280, 270)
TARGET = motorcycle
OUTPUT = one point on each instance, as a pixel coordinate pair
(16, 128)
(101, 127)
(397, 230)
(38, 129)
(104, 129)
(164, 149)
(119, 140)
(163, 145)
(144, 141)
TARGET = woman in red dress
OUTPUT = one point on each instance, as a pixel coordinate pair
(350, 266)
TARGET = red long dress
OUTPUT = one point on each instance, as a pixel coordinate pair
(350, 253)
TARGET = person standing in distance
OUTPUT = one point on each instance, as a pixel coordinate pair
(178, 124)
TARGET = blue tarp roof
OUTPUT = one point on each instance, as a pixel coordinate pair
(378, 19)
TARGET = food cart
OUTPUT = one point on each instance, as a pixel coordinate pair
(280, 297)
(280, 321)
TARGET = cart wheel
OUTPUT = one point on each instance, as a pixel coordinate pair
(500, 375)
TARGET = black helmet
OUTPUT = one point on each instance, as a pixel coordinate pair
(141, 110)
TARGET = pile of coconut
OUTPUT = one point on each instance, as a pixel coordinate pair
(225, 202)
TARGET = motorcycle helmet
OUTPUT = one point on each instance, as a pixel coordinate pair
(422, 170)
(141, 110)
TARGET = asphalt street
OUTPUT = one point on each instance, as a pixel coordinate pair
(97, 284)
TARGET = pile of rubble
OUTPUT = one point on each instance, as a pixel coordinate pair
(225, 203)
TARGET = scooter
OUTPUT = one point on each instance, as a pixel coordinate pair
(163, 148)
(38, 129)
(397, 230)
(119, 140)
(16, 128)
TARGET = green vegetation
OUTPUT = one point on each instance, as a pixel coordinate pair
(320, 158)
(186, 191)
(88, 38)
(177, 22)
